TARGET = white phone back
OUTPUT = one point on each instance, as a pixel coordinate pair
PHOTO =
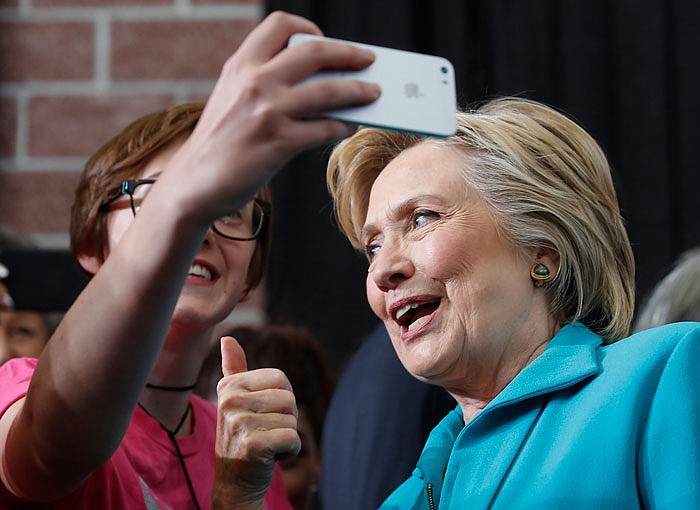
(418, 91)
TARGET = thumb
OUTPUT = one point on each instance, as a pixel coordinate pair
(232, 356)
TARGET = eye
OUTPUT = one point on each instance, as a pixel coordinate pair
(233, 218)
(371, 251)
(23, 332)
(423, 217)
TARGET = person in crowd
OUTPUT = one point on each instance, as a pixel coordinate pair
(500, 266)
(378, 420)
(23, 333)
(8, 239)
(171, 219)
(676, 297)
(6, 302)
(300, 355)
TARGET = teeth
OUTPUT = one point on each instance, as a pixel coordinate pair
(201, 271)
(418, 322)
(402, 311)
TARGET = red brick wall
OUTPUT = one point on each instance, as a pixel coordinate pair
(74, 72)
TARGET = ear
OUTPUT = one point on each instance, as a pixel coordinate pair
(549, 258)
(89, 263)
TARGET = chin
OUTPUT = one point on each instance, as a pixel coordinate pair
(429, 366)
(421, 369)
(188, 312)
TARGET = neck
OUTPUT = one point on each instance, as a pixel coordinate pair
(178, 366)
(474, 399)
(168, 409)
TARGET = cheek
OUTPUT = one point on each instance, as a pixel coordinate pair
(375, 298)
(28, 345)
(247, 254)
(117, 224)
(444, 258)
(32, 348)
(238, 258)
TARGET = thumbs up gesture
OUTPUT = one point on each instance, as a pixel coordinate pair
(257, 421)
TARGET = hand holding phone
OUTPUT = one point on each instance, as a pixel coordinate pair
(418, 91)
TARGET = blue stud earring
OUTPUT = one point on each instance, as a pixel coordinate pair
(539, 274)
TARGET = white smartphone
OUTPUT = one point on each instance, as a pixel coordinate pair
(418, 91)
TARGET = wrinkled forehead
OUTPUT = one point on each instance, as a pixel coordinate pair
(422, 169)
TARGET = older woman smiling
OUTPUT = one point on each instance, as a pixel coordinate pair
(500, 265)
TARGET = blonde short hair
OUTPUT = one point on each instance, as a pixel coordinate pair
(549, 186)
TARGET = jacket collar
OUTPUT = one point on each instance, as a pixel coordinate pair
(569, 357)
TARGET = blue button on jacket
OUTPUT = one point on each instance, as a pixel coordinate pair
(584, 426)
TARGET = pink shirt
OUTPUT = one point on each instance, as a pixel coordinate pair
(145, 472)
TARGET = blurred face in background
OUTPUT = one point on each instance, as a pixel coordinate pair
(5, 300)
(302, 472)
(22, 334)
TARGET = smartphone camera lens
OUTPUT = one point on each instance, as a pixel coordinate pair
(443, 70)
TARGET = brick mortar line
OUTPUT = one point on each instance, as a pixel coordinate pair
(93, 88)
(52, 164)
(50, 240)
(102, 62)
(22, 128)
(135, 13)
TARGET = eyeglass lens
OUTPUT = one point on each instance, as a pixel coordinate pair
(138, 195)
(245, 223)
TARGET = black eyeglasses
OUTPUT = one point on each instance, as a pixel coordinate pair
(245, 224)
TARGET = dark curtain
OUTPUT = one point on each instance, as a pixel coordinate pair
(627, 70)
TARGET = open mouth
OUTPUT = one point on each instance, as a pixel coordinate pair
(413, 315)
(201, 272)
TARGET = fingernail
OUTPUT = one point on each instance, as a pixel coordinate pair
(369, 54)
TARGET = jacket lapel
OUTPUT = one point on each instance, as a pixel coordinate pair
(570, 357)
(430, 470)
(480, 457)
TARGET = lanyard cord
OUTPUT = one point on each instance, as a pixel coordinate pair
(171, 435)
(170, 388)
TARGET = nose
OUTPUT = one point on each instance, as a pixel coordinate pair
(391, 266)
(209, 238)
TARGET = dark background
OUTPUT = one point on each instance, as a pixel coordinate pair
(626, 70)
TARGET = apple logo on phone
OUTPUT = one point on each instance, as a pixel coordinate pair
(411, 89)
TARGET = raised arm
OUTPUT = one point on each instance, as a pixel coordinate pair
(89, 378)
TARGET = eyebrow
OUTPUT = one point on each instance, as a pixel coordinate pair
(399, 211)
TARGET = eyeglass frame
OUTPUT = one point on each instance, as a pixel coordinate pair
(128, 187)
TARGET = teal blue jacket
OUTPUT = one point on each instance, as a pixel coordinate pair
(584, 426)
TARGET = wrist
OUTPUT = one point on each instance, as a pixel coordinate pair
(238, 485)
(229, 497)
